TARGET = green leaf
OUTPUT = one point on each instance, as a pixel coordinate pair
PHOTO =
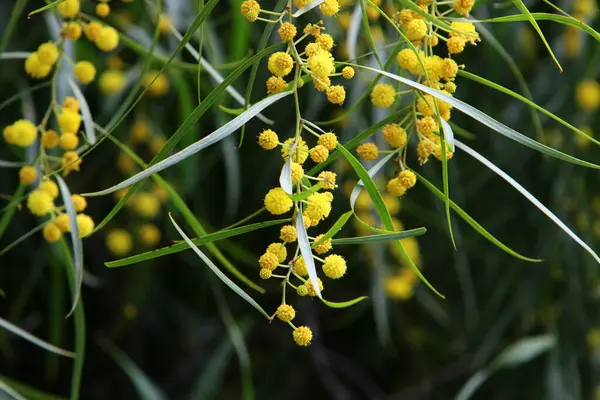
(344, 304)
(306, 193)
(378, 238)
(29, 393)
(232, 285)
(46, 7)
(521, 6)
(6, 389)
(339, 224)
(231, 111)
(34, 340)
(474, 224)
(181, 246)
(382, 210)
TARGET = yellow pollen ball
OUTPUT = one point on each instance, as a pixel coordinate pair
(328, 140)
(79, 202)
(164, 24)
(71, 103)
(334, 266)
(319, 153)
(325, 41)
(149, 235)
(302, 334)
(111, 82)
(368, 151)
(587, 94)
(92, 30)
(102, 10)
(70, 162)
(416, 29)
(383, 95)
(328, 180)
(300, 267)
(27, 175)
(51, 232)
(23, 133)
(301, 3)
(50, 139)
(301, 290)
(69, 141)
(395, 187)
(300, 154)
(277, 202)
(297, 173)
(279, 250)
(321, 64)
(455, 45)
(71, 30)
(62, 222)
(68, 8)
(322, 84)
(85, 225)
(280, 64)
(287, 32)
(265, 273)
(318, 207)
(336, 94)
(311, 289)
(49, 187)
(69, 121)
(285, 312)
(140, 129)
(35, 68)
(330, 7)
(39, 202)
(107, 39)
(268, 139)
(288, 234)
(84, 71)
(463, 7)
(146, 205)
(395, 135)
(47, 53)
(250, 10)
(322, 247)
(268, 261)
(119, 242)
(407, 178)
(159, 87)
(275, 85)
(312, 48)
(348, 72)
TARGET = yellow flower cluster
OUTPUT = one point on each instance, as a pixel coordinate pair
(39, 63)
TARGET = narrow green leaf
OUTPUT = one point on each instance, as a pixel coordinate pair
(231, 111)
(28, 392)
(33, 339)
(46, 7)
(344, 304)
(339, 224)
(6, 389)
(474, 224)
(181, 246)
(232, 285)
(379, 238)
(306, 193)
(382, 210)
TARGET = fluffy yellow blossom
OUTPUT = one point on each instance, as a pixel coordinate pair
(68, 8)
(455, 45)
(288, 234)
(399, 288)
(285, 312)
(159, 87)
(312, 48)
(322, 84)
(328, 140)
(164, 24)
(69, 121)
(328, 180)
(302, 334)
(301, 153)
(322, 247)
(51, 233)
(318, 207)
(427, 126)
(250, 10)
(79, 202)
(48, 53)
(279, 250)
(297, 173)
(24, 133)
(27, 174)
(395, 187)
(85, 225)
(50, 187)
(39, 202)
(84, 71)
(325, 41)
(321, 64)
(146, 205)
(330, 7)
(464, 30)
(395, 135)
(336, 94)
(107, 39)
(278, 202)
(587, 94)
(265, 273)
(92, 30)
(448, 69)
(102, 10)
(300, 266)
(275, 85)
(69, 141)
(463, 7)
(119, 242)
(280, 64)
(407, 178)
(287, 31)
(334, 266)
(368, 151)
(301, 3)
(383, 95)
(301, 290)
(111, 82)
(71, 103)
(35, 68)
(8, 134)
(268, 139)
(62, 222)
(149, 235)
(268, 261)
(311, 289)
(348, 72)
(71, 30)
(50, 139)
(319, 153)
(416, 29)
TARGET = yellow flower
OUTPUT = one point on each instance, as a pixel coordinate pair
(330, 7)
(164, 24)
(265, 273)
(311, 289)
(68, 8)
(71, 162)
(85, 225)
(301, 153)
(149, 235)
(279, 250)
(160, 85)
(311, 49)
(464, 30)
(322, 247)
(325, 41)
(587, 94)
(319, 153)
(302, 334)
(119, 242)
(328, 180)
(275, 85)
(383, 95)
(268, 261)
(280, 64)
(49, 187)
(348, 72)
(35, 68)
(250, 10)
(62, 222)
(39, 202)
(300, 266)
(368, 151)
(287, 32)
(288, 234)
(297, 173)
(111, 82)
(47, 53)
(140, 129)
(455, 45)
(24, 133)
(463, 7)
(51, 232)
(416, 29)
(69, 121)
(328, 140)
(395, 135)
(322, 84)
(71, 30)
(71, 103)
(395, 187)
(268, 139)
(285, 312)
(449, 69)
(79, 202)
(69, 141)
(334, 266)
(407, 178)
(301, 3)
(92, 30)
(84, 71)
(301, 290)
(427, 126)
(107, 39)
(8, 134)
(321, 64)
(398, 288)
(278, 202)
(336, 94)
(146, 205)
(318, 207)
(102, 10)
(27, 175)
